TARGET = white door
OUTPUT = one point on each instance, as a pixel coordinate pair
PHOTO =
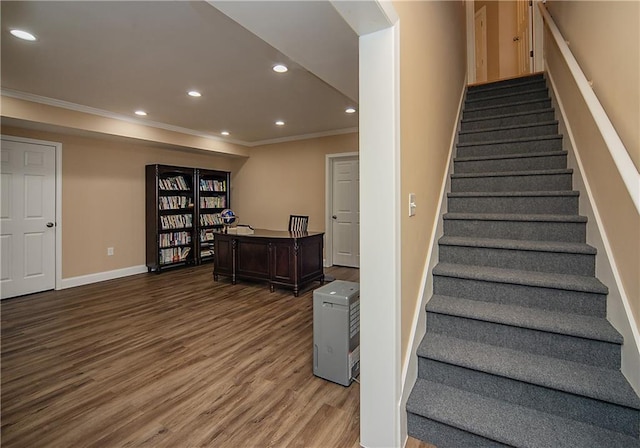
(346, 212)
(27, 218)
(524, 17)
(481, 44)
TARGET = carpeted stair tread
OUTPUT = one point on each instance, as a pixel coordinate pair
(513, 114)
(588, 327)
(524, 155)
(506, 96)
(567, 282)
(515, 217)
(488, 110)
(510, 194)
(511, 173)
(528, 245)
(603, 384)
(509, 127)
(512, 140)
(508, 423)
(511, 82)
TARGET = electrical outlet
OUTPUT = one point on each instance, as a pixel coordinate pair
(109, 251)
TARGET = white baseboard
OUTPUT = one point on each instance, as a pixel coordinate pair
(72, 282)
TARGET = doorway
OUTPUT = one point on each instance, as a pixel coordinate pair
(29, 212)
(343, 210)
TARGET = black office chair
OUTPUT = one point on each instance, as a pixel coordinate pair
(298, 223)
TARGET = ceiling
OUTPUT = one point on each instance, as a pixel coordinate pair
(113, 58)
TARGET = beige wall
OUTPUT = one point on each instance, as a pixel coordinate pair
(432, 77)
(103, 190)
(286, 178)
(493, 37)
(604, 37)
(103, 196)
(618, 213)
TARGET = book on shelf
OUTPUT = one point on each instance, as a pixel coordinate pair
(213, 202)
(213, 185)
(173, 183)
(176, 222)
(174, 255)
(210, 219)
(174, 202)
(174, 239)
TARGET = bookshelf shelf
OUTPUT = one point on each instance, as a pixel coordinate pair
(183, 208)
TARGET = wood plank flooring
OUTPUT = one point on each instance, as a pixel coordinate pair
(169, 360)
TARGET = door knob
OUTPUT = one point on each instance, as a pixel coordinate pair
(334, 217)
(50, 224)
(516, 38)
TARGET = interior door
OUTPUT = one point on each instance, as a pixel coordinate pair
(523, 36)
(346, 212)
(481, 44)
(27, 217)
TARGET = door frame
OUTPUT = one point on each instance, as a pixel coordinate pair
(537, 43)
(330, 160)
(58, 194)
(482, 12)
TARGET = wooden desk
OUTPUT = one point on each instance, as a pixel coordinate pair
(282, 258)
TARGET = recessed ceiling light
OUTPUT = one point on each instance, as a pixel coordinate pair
(141, 113)
(21, 34)
(194, 93)
(280, 68)
(279, 123)
(350, 110)
(225, 133)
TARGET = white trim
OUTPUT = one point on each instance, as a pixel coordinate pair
(380, 279)
(621, 317)
(167, 127)
(102, 276)
(418, 326)
(619, 153)
(330, 159)
(58, 182)
(538, 40)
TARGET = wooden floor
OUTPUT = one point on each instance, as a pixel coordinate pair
(169, 360)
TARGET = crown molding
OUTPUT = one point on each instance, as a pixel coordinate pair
(167, 127)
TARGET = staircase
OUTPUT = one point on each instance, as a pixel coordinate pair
(518, 350)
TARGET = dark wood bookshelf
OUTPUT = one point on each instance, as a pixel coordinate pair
(175, 218)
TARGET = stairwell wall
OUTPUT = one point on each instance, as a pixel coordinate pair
(432, 79)
(613, 217)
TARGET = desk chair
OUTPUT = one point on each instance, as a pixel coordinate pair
(298, 223)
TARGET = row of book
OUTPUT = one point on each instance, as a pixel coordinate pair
(206, 253)
(213, 185)
(207, 235)
(174, 255)
(210, 219)
(174, 202)
(176, 222)
(213, 202)
(174, 239)
(173, 183)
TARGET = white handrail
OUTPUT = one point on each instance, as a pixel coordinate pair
(619, 153)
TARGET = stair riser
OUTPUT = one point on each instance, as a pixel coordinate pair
(539, 94)
(509, 147)
(523, 80)
(596, 353)
(474, 94)
(554, 262)
(546, 205)
(506, 109)
(585, 303)
(509, 120)
(537, 182)
(517, 230)
(513, 164)
(563, 404)
(445, 436)
(503, 134)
